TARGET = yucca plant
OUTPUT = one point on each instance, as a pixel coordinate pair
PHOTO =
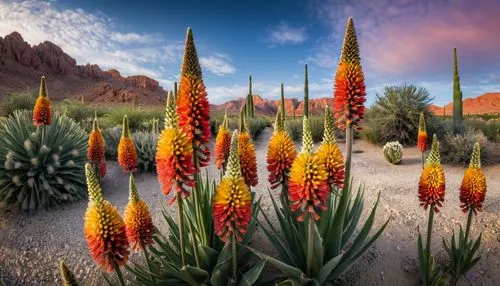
(40, 173)
(393, 152)
(112, 137)
(318, 215)
(145, 143)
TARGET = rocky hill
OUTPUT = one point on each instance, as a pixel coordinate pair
(485, 103)
(22, 65)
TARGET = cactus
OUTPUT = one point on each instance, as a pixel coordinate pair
(45, 174)
(457, 94)
(393, 152)
(249, 106)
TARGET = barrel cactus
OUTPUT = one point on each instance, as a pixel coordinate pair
(393, 152)
(35, 175)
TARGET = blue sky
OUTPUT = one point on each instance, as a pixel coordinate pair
(400, 40)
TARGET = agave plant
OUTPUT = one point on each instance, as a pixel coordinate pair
(36, 173)
(393, 152)
(112, 137)
(145, 143)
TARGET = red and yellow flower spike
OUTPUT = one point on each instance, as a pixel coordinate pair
(473, 188)
(127, 155)
(308, 187)
(329, 152)
(42, 113)
(192, 104)
(431, 187)
(280, 153)
(232, 203)
(104, 228)
(95, 151)
(422, 142)
(137, 217)
(246, 152)
(174, 152)
(350, 90)
(222, 144)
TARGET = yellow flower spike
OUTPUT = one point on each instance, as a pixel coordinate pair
(137, 217)
(171, 118)
(93, 187)
(431, 186)
(232, 208)
(222, 143)
(127, 155)
(473, 187)
(307, 140)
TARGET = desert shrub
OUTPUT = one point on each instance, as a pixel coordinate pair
(145, 144)
(18, 101)
(457, 148)
(393, 152)
(80, 111)
(34, 175)
(112, 139)
(395, 115)
(294, 129)
(317, 128)
(256, 126)
(138, 118)
(490, 128)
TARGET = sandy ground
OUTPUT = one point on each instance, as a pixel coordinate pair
(31, 245)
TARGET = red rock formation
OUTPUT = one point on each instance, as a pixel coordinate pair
(485, 103)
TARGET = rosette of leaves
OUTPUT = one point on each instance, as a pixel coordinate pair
(145, 144)
(393, 152)
(112, 137)
(35, 174)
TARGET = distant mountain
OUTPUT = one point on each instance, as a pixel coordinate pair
(22, 65)
(485, 103)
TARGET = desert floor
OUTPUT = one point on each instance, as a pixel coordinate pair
(31, 245)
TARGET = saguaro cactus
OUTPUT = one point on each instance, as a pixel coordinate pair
(457, 94)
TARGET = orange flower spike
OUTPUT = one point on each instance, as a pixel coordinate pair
(192, 103)
(174, 154)
(127, 155)
(308, 187)
(431, 187)
(246, 152)
(280, 153)
(104, 228)
(330, 153)
(42, 113)
(95, 151)
(138, 222)
(222, 144)
(232, 202)
(422, 135)
(350, 90)
(473, 188)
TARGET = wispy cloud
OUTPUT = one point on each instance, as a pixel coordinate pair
(285, 34)
(218, 64)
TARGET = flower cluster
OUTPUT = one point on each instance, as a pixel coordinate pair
(42, 113)
(422, 134)
(95, 150)
(127, 155)
(431, 187)
(473, 187)
(222, 144)
(246, 152)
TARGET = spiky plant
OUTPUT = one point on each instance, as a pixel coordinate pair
(145, 144)
(456, 148)
(112, 137)
(395, 115)
(35, 174)
(249, 106)
(306, 92)
(67, 276)
(42, 112)
(457, 95)
(393, 152)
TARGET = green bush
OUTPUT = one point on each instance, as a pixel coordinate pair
(490, 128)
(112, 139)
(317, 127)
(145, 144)
(294, 129)
(395, 115)
(457, 148)
(34, 175)
(18, 101)
(138, 119)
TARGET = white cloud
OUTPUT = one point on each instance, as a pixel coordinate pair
(284, 34)
(218, 64)
(133, 38)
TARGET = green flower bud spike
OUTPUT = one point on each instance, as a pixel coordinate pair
(283, 114)
(233, 166)
(434, 157)
(93, 187)
(125, 128)
(43, 88)
(421, 123)
(190, 64)
(475, 159)
(243, 123)
(350, 47)
(67, 277)
(133, 193)
(329, 135)
(279, 123)
(95, 124)
(225, 122)
(171, 119)
(307, 140)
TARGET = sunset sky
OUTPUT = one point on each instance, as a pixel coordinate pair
(400, 41)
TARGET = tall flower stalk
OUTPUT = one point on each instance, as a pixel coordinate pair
(95, 150)
(422, 139)
(246, 152)
(127, 155)
(174, 165)
(42, 112)
(222, 145)
(232, 206)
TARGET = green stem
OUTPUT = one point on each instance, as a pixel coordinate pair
(234, 253)
(146, 256)
(117, 270)
(348, 156)
(194, 241)
(469, 222)
(310, 245)
(180, 217)
(43, 135)
(423, 160)
(429, 229)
